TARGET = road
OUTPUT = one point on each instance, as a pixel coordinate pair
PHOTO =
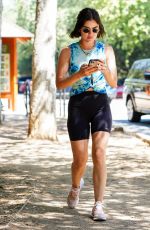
(118, 109)
(119, 114)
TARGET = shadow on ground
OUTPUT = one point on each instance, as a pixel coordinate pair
(35, 179)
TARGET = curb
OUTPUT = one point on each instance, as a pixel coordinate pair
(120, 128)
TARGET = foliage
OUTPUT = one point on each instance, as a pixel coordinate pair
(25, 58)
(130, 25)
(127, 24)
(25, 11)
(26, 14)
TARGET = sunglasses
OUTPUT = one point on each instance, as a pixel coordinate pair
(87, 30)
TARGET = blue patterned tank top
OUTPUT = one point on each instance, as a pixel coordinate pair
(79, 57)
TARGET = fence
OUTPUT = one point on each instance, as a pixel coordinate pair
(62, 98)
(2, 116)
(23, 104)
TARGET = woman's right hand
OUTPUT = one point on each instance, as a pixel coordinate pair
(87, 70)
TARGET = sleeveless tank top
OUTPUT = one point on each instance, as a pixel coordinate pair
(79, 57)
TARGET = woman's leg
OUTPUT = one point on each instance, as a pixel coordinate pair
(99, 144)
(80, 156)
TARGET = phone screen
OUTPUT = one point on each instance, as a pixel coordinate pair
(94, 62)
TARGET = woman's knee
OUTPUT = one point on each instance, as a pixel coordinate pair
(99, 155)
(79, 163)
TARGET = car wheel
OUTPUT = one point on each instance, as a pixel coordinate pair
(133, 116)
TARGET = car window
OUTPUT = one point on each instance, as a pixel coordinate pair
(120, 81)
(24, 78)
(138, 68)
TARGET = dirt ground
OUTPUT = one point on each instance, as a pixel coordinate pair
(35, 180)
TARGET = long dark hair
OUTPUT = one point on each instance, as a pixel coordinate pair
(84, 15)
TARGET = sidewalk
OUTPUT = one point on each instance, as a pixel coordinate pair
(139, 131)
(35, 179)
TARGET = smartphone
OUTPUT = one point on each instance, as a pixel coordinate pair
(94, 62)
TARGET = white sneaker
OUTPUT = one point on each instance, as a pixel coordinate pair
(97, 212)
(73, 196)
(81, 183)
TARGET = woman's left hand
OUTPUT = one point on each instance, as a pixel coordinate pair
(102, 66)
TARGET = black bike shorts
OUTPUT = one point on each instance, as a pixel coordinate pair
(88, 111)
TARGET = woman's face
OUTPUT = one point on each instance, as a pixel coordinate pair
(89, 30)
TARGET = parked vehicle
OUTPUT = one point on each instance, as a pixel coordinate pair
(25, 87)
(137, 90)
(120, 87)
(21, 83)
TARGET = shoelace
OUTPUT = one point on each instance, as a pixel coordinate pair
(74, 192)
(98, 204)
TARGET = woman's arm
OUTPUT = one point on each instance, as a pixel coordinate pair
(109, 69)
(62, 80)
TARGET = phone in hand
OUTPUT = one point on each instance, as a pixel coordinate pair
(94, 62)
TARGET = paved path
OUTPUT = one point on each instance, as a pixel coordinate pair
(35, 179)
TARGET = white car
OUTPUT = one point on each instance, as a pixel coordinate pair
(136, 91)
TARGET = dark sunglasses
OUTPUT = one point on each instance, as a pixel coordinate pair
(87, 30)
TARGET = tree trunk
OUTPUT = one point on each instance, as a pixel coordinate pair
(42, 122)
(1, 8)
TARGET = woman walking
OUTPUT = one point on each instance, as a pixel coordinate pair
(91, 66)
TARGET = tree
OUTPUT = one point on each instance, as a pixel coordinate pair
(1, 7)
(127, 25)
(42, 121)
